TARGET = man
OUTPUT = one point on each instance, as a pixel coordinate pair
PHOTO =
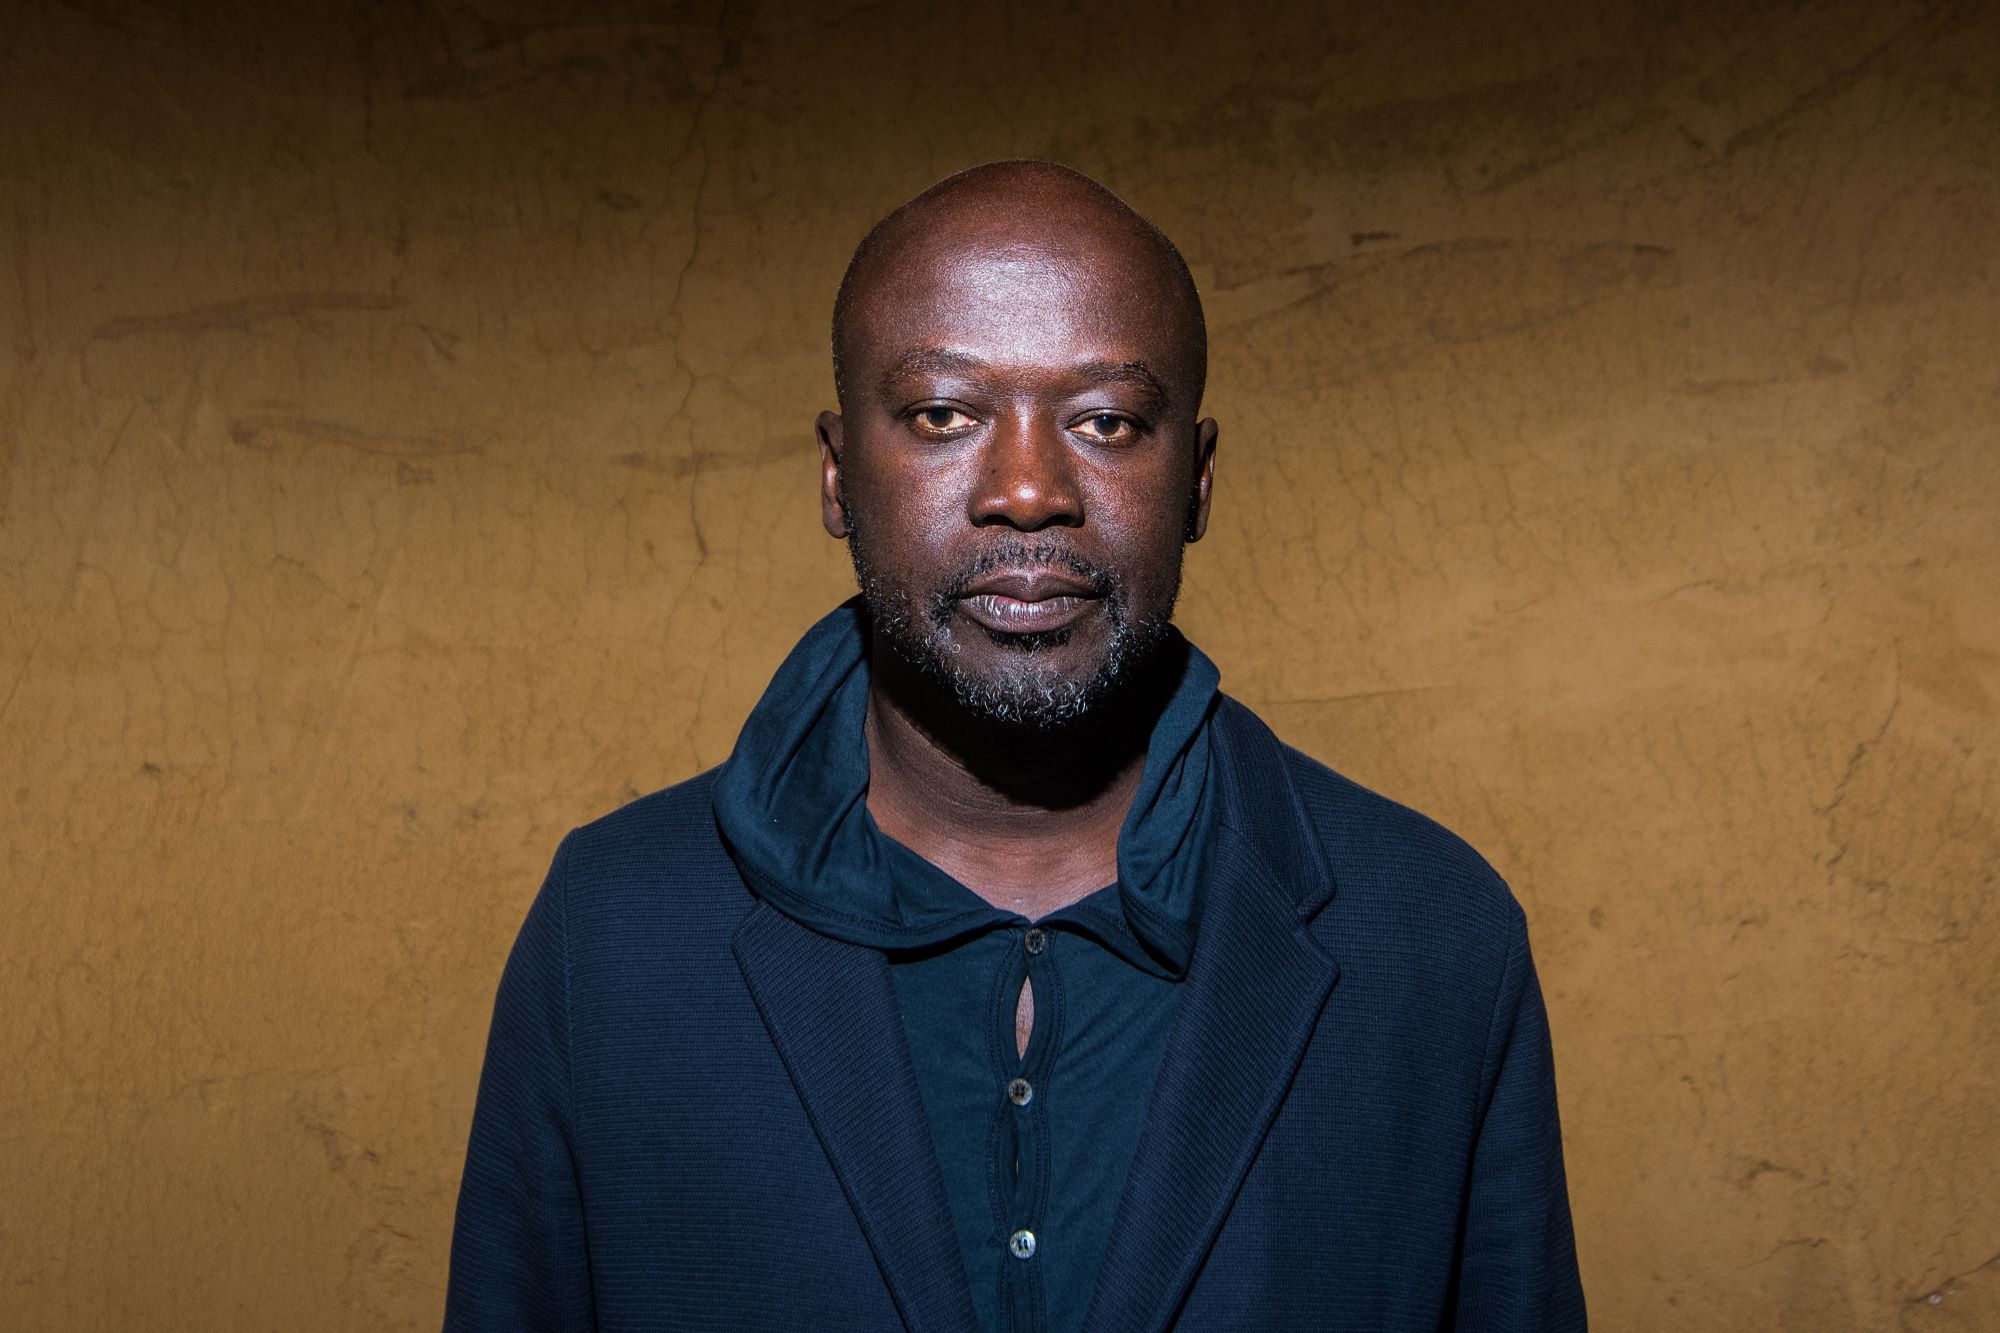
(1007, 976)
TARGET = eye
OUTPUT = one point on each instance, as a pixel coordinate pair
(940, 420)
(1107, 427)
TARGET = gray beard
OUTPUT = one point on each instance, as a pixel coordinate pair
(1034, 696)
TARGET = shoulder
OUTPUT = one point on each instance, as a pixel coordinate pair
(675, 822)
(1381, 845)
(653, 862)
(1397, 884)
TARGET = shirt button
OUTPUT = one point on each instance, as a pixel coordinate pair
(1036, 940)
(1021, 1245)
(1020, 1092)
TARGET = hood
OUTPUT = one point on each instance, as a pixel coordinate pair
(791, 804)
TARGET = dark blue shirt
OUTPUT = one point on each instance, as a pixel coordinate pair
(1034, 1148)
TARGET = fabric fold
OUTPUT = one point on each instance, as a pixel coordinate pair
(791, 804)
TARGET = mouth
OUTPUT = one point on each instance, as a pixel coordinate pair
(1038, 600)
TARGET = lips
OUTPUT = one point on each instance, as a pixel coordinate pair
(1036, 600)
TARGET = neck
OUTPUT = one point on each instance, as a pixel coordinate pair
(1027, 819)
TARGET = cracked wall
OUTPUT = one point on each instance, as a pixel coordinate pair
(405, 455)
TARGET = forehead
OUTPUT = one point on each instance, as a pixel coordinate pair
(1022, 300)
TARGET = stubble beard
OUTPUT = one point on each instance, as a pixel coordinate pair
(1035, 695)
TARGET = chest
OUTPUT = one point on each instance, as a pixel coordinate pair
(1035, 1051)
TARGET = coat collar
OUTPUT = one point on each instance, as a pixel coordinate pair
(1255, 988)
(831, 1009)
(1254, 994)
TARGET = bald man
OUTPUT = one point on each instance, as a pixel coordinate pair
(1008, 976)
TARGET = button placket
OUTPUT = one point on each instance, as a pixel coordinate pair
(1026, 1129)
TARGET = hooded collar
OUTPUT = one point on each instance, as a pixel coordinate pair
(791, 803)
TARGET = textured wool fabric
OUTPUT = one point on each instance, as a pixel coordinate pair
(698, 1114)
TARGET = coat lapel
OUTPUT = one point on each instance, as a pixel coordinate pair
(831, 1010)
(1255, 989)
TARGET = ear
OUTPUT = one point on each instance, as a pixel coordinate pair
(831, 443)
(1205, 435)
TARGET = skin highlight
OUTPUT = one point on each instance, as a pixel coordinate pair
(1016, 467)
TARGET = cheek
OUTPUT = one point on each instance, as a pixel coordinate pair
(1147, 540)
(909, 514)
(1151, 509)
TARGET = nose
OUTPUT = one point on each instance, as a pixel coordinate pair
(1027, 478)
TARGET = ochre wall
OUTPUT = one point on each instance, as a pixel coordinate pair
(405, 456)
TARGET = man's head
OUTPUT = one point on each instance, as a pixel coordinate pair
(1017, 463)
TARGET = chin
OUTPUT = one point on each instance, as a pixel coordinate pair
(1040, 682)
(1036, 699)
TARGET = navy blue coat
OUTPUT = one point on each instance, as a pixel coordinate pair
(698, 1114)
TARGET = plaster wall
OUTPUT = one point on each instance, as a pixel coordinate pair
(405, 455)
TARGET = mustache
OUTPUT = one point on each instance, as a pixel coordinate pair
(1015, 554)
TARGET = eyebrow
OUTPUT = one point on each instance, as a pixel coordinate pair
(939, 360)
